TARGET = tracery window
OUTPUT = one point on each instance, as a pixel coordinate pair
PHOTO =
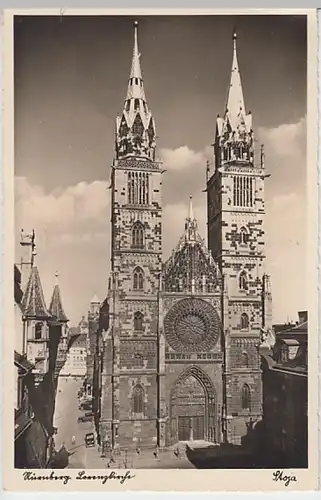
(246, 397)
(244, 236)
(138, 321)
(138, 188)
(138, 279)
(138, 399)
(243, 281)
(243, 191)
(244, 321)
(245, 359)
(138, 236)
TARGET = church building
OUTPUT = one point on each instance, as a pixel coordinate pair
(181, 358)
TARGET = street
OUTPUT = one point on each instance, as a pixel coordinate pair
(65, 419)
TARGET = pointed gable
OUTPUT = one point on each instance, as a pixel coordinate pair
(56, 308)
(33, 301)
(191, 268)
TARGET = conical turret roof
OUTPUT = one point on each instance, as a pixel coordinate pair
(33, 301)
(56, 308)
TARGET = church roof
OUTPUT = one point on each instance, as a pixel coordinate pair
(33, 301)
(191, 267)
(135, 128)
(56, 308)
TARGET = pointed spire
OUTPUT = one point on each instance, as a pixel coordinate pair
(135, 84)
(190, 210)
(235, 100)
(191, 228)
(234, 140)
(33, 301)
(135, 128)
(136, 71)
(56, 308)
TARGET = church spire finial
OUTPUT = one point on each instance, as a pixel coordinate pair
(190, 209)
(56, 278)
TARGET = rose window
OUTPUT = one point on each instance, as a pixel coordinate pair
(192, 325)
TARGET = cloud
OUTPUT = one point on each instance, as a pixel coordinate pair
(70, 209)
(285, 157)
(182, 158)
(73, 229)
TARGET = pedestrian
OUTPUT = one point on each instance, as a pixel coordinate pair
(156, 453)
(73, 440)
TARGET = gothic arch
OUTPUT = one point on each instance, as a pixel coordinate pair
(138, 399)
(138, 235)
(243, 280)
(244, 321)
(138, 278)
(193, 407)
(138, 321)
(244, 236)
(246, 397)
(200, 375)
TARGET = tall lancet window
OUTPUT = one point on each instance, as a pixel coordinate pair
(138, 279)
(138, 399)
(138, 236)
(138, 321)
(243, 281)
(138, 188)
(246, 397)
(243, 191)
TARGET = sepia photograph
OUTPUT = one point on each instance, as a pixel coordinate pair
(161, 193)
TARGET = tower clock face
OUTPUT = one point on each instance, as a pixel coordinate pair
(192, 325)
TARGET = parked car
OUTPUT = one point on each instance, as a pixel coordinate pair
(89, 414)
(84, 418)
(85, 406)
(89, 439)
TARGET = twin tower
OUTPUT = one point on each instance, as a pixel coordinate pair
(181, 359)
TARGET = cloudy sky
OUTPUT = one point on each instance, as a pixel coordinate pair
(70, 82)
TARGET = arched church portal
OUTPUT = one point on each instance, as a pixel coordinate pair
(192, 408)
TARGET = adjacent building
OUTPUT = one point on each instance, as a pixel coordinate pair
(285, 391)
(181, 353)
(93, 326)
(38, 331)
(75, 365)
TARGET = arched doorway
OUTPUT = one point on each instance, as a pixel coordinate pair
(193, 407)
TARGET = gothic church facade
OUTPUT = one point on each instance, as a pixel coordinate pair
(181, 359)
